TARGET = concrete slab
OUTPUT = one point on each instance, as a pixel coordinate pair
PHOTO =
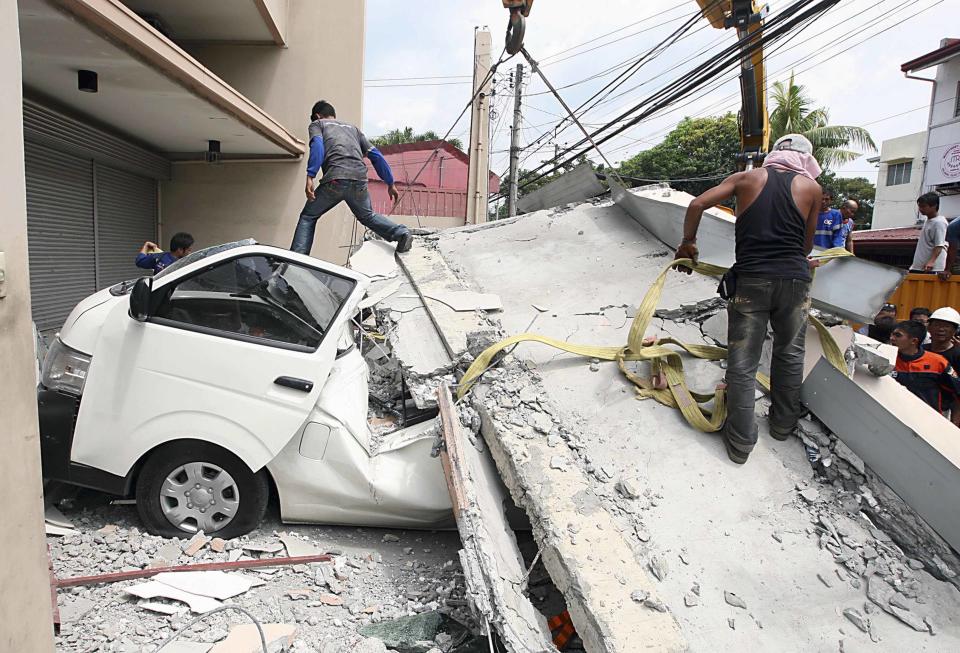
(429, 274)
(579, 184)
(913, 448)
(850, 287)
(721, 528)
(376, 259)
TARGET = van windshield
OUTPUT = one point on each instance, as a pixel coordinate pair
(193, 257)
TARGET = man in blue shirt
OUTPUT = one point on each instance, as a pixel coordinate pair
(336, 155)
(151, 257)
(829, 224)
(953, 242)
(844, 236)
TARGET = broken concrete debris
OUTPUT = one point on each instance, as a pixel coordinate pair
(734, 600)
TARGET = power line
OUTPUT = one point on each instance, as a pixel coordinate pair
(828, 55)
(789, 19)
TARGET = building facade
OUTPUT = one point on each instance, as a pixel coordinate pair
(142, 118)
(431, 177)
(899, 181)
(941, 171)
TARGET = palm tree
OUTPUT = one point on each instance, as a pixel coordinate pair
(407, 135)
(794, 113)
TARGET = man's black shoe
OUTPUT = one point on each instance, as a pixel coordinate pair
(777, 434)
(405, 243)
(735, 454)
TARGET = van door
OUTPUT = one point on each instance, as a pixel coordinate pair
(235, 353)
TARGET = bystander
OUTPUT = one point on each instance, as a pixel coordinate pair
(883, 323)
(828, 223)
(931, 252)
(924, 373)
(943, 326)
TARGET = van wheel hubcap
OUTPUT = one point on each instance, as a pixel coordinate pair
(199, 497)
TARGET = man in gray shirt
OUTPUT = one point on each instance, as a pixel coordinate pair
(336, 155)
(931, 252)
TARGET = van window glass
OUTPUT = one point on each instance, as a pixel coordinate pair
(259, 297)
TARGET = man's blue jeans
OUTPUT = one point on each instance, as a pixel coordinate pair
(327, 196)
(784, 305)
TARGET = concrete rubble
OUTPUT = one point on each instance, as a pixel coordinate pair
(369, 581)
(632, 510)
(576, 496)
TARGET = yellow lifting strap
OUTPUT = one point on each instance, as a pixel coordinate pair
(667, 383)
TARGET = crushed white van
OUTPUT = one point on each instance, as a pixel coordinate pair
(230, 375)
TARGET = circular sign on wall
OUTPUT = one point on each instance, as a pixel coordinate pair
(950, 163)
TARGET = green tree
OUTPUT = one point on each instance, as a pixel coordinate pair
(407, 135)
(692, 158)
(794, 113)
(859, 189)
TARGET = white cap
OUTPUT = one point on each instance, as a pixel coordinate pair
(946, 314)
(794, 142)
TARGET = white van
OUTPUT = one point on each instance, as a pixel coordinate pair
(231, 374)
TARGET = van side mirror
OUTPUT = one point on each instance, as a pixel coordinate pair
(140, 299)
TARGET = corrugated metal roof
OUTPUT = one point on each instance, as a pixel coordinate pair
(887, 236)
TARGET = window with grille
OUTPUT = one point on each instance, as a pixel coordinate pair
(899, 173)
(956, 106)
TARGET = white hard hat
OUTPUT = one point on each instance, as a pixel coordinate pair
(946, 314)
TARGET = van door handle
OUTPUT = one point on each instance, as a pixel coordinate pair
(292, 382)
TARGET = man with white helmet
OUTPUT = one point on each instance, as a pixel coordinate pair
(943, 325)
(776, 209)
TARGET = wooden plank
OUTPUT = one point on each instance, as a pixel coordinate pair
(493, 567)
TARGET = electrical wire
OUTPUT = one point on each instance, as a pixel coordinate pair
(789, 19)
(829, 57)
(222, 608)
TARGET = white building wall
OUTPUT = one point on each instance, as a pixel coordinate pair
(943, 150)
(896, 205)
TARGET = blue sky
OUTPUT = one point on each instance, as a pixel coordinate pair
(849, 61)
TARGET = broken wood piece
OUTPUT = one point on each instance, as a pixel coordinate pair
(492, 564)
(245, 638)
(206, 566)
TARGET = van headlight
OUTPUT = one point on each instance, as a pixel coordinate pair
(64, 369)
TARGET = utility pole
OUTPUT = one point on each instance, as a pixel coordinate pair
(478, 174)
(515, 143)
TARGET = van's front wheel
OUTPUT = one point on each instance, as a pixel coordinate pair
(192, 486)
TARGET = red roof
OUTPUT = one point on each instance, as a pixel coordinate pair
(894, 236)
(425, 145)
(950, 49)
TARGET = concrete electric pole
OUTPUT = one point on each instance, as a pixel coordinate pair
(515, 143)
(478, 174)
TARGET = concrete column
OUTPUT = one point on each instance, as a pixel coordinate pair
(478, 175)
(26, 616)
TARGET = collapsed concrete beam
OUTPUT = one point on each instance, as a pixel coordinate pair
(911, 447)
(492, 564)
(611, 598)
(851, 288)
(579, 184)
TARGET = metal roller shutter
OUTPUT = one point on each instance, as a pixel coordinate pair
(126, 211)
(60, 232)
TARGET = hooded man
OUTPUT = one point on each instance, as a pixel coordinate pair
(776, 208)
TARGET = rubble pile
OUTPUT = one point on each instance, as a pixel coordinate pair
(373, 578)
